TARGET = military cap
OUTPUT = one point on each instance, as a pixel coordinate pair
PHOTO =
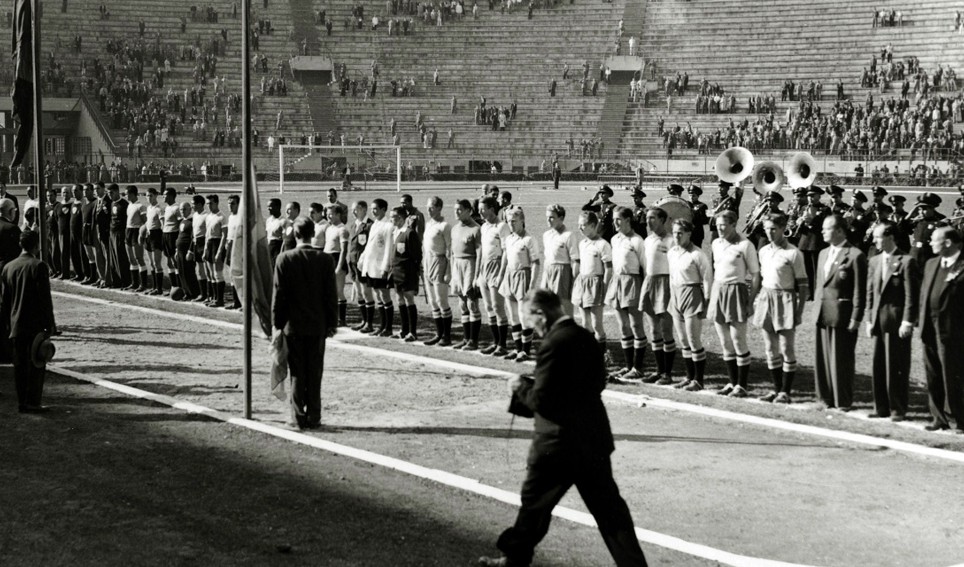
(800, 191)
(638, 193)
(675, 189)
(894, 199)
(929, 199)
(695, 190)
(774, 196)
(859, 196)
(815, 190)
(606, 189)
(837, 190)
(879, 191)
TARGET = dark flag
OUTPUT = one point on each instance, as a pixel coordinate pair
(23, 85)
(259, 261)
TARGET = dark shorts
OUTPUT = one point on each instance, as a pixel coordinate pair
(211, 250)
(131, 236)
(335, 257)
(405, 277)
(380, 283)
(198, 248)
(356, 274)
(169, 244)
(154, 240)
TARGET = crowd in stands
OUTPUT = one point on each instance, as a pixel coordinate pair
(497, 117)
(885, 18)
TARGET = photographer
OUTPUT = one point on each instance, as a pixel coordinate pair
(572, 440)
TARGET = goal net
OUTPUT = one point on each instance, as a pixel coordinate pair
(350, 167)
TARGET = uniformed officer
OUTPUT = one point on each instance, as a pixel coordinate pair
(794, 212)
(725, 202)
(118, 261)
(899, 217)
(638, 221)
(809, 227)
(881, 215)
(837, 204)
(700, 215)
(859, 219)
(601, 204)
(769, 205)
(924, 222)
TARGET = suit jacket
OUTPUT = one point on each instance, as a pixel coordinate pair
(892, 302)
(9, 242)
(565, 395)
(950, 317)
(305, 301)
(840, 295)
(25, 303)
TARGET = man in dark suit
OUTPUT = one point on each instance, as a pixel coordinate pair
(305, 309)
(892, 296)
(26, 309)
(572, 440)
(942, 331)
(840, 287)
(9, 232)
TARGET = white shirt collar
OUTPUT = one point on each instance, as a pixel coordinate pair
(950, 261)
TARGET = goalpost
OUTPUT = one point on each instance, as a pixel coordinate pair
(352, 167)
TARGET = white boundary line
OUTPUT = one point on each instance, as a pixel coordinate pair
(435, 475)
(856, 438)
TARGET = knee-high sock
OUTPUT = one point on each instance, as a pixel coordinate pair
(370, 313)
(687, 355)
(447, 324)
(627, 345)
(342, 311)
(789, 373)
(730, 368)
(517, 337)
(639, 354)
(494, 329)
(381, 312)
(699, 363)
(476, 330)
(669, 353)
(412, 320)
(526, 340)
(363, 310)
(743, 368)
(503, 335)
(466, 328)
(389, 316)
(403, 314)
(657, 345)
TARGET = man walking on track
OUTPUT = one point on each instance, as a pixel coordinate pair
(305, 309)
(27, 312)
(572, 442)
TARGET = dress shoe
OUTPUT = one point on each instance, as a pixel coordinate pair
(725, 391)
(936, 426)
(433, 341)
(34, 409)
(768, 398)
(489, 349)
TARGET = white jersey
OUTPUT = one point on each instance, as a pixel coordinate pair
(657, 263)
(376, 260)
(560, 247)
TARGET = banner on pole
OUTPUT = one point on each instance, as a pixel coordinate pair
(260, 259)
(23, 81)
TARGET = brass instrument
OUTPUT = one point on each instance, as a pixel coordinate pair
(801, 171)
(723, 204)
(808, 215)
(761, 210)
(734, 165)
(767, 177)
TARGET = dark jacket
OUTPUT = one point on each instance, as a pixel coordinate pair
(25, 303)
(565, 395)
(305, 301)
(9, 242)
(895, 301)
(949, 320)
(840, 297)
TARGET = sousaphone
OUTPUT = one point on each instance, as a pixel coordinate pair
(801, 171)
(734, 165)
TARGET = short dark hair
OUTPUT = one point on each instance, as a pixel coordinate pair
(490, 203)
(131, 189)
(274, 202)
(436, 202)
(113, 187)
(684, 225)
(214, 198)
(464, 204)
(316, 208)
(198, 200)
(303, 228)
(590, 218)
(778, 219)
(545, 299)
(952, 234)
(506, 196)
(380, 203)
(29, 239)
(295, 204)
(235, 198)
(661, 213)
(405, 198)
(401, 211)
(623, 213)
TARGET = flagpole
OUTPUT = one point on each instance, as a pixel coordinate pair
(247, 198)
(38, 155)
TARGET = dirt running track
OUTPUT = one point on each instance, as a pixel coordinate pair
(741, 488)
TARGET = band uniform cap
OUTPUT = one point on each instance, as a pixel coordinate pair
(695, 190)
(879, 191)
(894, 199)
(774, 197)
(859, 195)
(800, 191)
(675, 189)
(929, 199)
(638, 193)
(837, 190)
(42, 350)
(606, 189)
(815, 190)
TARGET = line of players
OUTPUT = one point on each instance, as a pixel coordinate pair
(98, 238)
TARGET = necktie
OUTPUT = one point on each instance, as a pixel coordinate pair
(830, 260)
(885, 272)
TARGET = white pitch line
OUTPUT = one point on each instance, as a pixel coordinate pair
(636, 399)
(435, 475)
